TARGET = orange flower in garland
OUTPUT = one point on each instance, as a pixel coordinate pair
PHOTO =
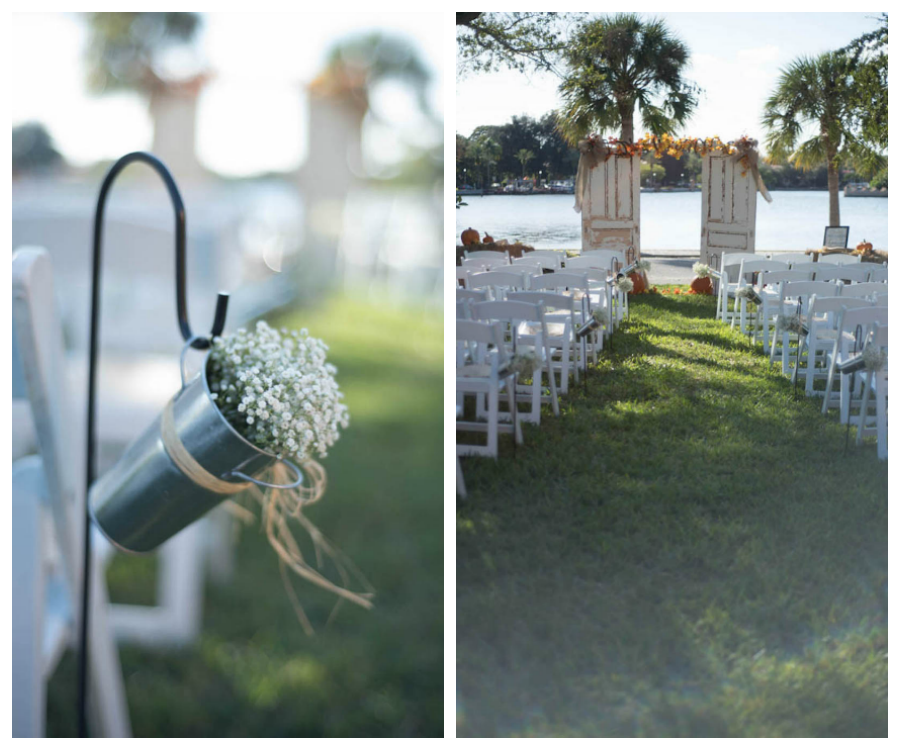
(595, 150)
(665, 144)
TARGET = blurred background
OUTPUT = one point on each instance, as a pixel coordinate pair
(308, 150)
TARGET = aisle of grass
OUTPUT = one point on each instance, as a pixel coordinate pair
(685, 551)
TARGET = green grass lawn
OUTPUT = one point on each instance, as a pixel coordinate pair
(253, 672)
(686, 550)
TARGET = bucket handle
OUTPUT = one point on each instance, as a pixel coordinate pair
(185, 349)
(248, 478)
(239, 474)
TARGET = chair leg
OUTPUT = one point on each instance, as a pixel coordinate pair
(493, 427)
(864, 407)
(881, 413)
(460, 480)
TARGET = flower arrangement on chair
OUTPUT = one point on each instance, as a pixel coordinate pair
(702, 281)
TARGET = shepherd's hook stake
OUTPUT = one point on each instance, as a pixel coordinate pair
(198, 342)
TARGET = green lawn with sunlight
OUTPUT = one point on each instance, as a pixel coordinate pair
(687, 550)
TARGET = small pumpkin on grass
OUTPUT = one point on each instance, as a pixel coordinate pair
(639, 277)
(702, 281)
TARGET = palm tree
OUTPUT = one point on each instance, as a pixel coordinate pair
(618, 63)
(484, 153)
(524, 156)
(816, 93)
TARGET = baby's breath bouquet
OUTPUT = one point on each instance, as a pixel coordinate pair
(276, 389)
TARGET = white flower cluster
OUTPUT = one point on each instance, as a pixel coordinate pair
(642, 266)
(701, 270)
(276, 389)
(625, 284)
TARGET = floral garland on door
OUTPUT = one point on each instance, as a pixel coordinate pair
(595, 149)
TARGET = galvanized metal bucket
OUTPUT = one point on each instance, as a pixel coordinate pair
(187, 462)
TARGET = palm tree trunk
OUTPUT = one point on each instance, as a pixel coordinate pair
(834, 209)
(626, 112)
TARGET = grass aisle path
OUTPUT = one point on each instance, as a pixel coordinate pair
(685, 551)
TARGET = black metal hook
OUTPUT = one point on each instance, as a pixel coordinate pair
(197, 342)
(180, 243)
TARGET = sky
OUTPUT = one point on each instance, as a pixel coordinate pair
(260, 63)
(735, 59)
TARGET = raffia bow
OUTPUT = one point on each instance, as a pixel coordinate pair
(747, 155)
(593, 150)
(278, 507)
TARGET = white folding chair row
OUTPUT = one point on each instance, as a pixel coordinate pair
(769, 283)
(574, 285)
(777, 302)
(483, 370)
(853, 327)
(878, 272)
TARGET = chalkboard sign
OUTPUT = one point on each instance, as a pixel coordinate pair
(836, 236)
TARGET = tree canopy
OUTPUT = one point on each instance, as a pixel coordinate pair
(869, 94)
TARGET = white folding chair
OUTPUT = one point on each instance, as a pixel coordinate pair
(486, 375)
(840, 259)
(863, 289)
(874, 383)
(820, 332)
(769, 290)
(853, 327)
(612, 261)
(789, 258)
(560, 314)
(846, 273)
(526, 330)
(729, 269)
(595, 263)
(500, 282)
(878, 272)
(550, 259)
(750, 268)
(460, 480)
(578, 286)
(793, 299)
(496, 257)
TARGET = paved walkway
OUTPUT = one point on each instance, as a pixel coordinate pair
(671, 269)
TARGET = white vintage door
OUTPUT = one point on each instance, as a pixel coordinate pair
(611, 213)
(729, 208)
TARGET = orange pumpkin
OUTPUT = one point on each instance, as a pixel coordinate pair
(487, 239)
(470, 237)
(702, 285)
(639, 281)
